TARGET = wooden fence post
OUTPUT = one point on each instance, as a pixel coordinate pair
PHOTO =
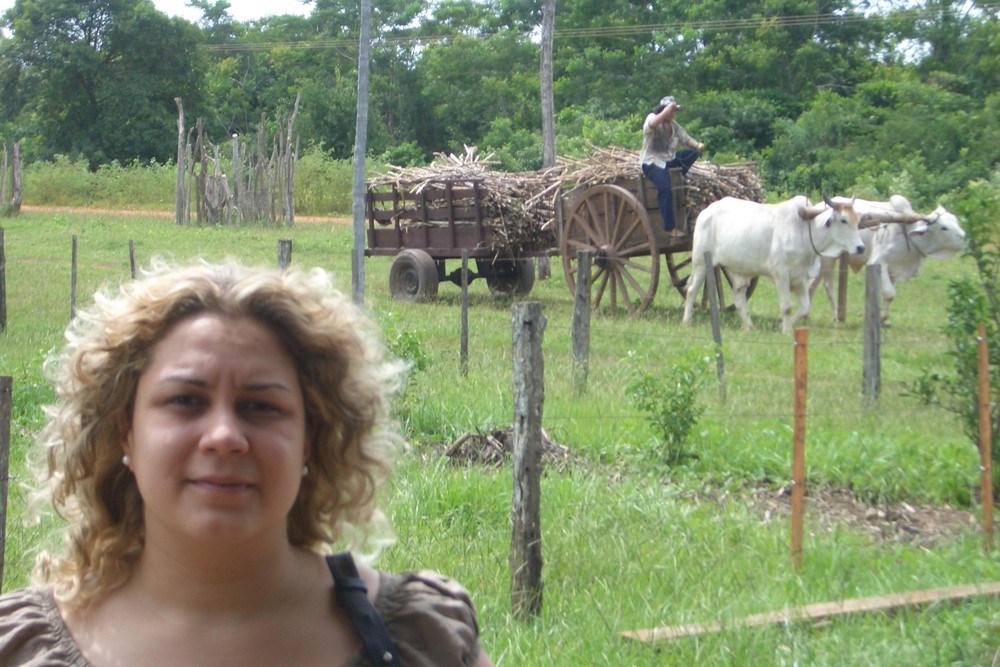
(525, 560)
(799, 443)
(712, 286)
(985, 440)
(131, 257)
(871, 383)
(284, 253)
(581, 323)
(6, 389)
(463, 353)
(842, 287)
(72, 281)
(3, 285)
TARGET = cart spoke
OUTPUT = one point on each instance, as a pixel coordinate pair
(591, 224)
(637, 266)
(580, 245)
(640, 248)
(601, 286)
(614, 294)
(636, 285)
(635, 224)
(623, 289)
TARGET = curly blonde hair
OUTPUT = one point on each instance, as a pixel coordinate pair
(347, 381)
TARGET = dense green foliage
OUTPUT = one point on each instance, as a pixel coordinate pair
(837, 96)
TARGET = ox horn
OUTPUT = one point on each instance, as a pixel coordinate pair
(810, 212)
(875, 219)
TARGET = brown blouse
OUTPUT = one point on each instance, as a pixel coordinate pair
(430, 618)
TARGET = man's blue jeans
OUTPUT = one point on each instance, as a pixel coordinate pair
(661, 179)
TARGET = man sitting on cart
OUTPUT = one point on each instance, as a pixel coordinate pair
(661, 136)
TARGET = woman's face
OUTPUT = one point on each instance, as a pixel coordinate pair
(217, 441)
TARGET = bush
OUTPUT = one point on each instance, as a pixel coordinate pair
(669, 399)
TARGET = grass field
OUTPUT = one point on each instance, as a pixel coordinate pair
(628, 542)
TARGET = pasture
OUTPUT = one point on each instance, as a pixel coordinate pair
(628, 542)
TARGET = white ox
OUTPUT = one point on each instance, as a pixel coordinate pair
(782, 241)
(899, 248)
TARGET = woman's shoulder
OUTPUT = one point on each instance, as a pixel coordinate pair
(32, 632)
(430, 617)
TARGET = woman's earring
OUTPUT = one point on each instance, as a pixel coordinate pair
(305, 470)
(126, 460)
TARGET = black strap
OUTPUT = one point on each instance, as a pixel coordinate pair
(352, 594)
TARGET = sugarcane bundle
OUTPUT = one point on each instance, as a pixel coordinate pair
(704, 183)
(518, 207)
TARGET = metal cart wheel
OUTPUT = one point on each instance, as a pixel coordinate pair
(611, 223)
(508, 277)
(413, 276)
(679, 266)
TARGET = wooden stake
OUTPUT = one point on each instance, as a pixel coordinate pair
(712, 276)
(72, 281)
(525, 559)
(799, 444)
(871, 368)
(985, 440)
(6, 415)
(581, 323)
(463, 348)
(842, 287)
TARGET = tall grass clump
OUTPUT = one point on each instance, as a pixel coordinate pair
(67, 182)
(323, 185)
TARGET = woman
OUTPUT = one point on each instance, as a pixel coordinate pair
(217, 428)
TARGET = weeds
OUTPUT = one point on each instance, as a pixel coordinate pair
(669, 398)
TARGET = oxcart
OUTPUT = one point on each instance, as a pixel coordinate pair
(618, 222)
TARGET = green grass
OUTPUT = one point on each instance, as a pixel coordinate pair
(628, 543)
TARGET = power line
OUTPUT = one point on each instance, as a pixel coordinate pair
(709, 25)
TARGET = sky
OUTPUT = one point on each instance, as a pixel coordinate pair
(240, 10)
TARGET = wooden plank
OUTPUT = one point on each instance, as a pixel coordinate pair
(821, 611)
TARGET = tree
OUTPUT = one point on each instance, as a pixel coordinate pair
(99, 77)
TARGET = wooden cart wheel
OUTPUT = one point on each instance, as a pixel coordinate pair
(508, 277)
(679, 266)
(614, 226)
(413, 276)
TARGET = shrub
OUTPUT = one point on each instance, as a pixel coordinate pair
(669, 399)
